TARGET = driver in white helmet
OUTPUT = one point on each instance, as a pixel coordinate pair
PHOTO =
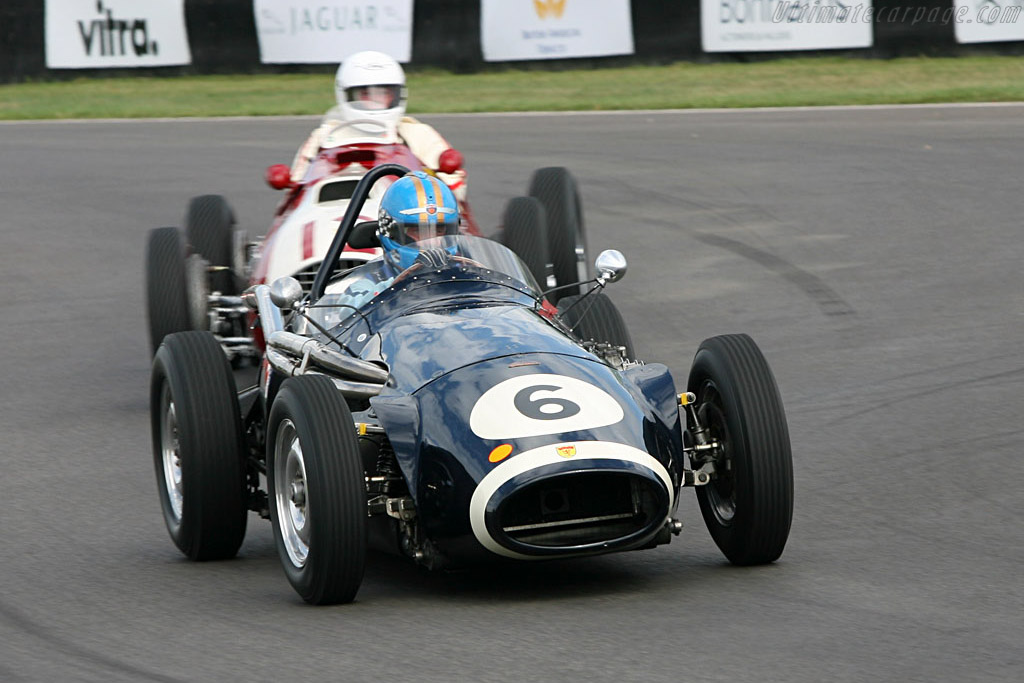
(370, 86)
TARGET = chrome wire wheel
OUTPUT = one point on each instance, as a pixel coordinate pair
(171, 455)
(721, 491)
(290, 494)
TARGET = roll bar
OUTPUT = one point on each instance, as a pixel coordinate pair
(355, 205)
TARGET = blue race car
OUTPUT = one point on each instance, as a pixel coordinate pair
(453, 414)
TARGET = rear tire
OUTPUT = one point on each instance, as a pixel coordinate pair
(596, 318)
(198, 446)
(526, 234)
(556, 190)
(210, 227)
(748, 506)
(167, 306)
(317, 491)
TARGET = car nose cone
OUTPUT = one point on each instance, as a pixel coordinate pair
(571, 499)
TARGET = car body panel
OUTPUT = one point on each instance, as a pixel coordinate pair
(475, 365)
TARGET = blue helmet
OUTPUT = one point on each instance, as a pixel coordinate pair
(415, 208)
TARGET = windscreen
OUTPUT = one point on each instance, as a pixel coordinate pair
(491, 261)
(488, 254)
(338, 131)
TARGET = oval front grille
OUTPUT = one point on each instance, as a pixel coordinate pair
(579, 509)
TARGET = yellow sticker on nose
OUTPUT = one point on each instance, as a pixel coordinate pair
(500, 453)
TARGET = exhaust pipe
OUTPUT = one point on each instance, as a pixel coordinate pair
(348, 388)
(292, 354)
(329, 359)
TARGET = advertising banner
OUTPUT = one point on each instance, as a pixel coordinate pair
(512, 30)
(325, 32)
(96, 34)
(988, 21)
(779, 25)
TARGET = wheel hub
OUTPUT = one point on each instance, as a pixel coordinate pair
(298, 493)
(721, 491)
(171, 457)
(290, 495)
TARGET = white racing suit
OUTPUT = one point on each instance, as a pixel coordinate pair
(423, 141)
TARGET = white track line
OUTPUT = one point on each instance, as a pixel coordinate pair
(498, 114)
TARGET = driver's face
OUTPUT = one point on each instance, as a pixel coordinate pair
(375, 97)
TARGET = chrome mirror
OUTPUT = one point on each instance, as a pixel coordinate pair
(285, 292)
(610, 266)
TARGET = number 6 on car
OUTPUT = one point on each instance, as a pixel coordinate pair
(542, 404)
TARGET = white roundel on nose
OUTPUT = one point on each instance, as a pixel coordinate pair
(537, 405)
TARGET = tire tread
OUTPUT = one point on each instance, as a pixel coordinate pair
(556, 189)
(526, 234)
(166, 293)
(210, 440)
(336, 562)
(209, 225)
(762, 531)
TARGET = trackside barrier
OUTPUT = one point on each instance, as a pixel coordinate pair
(222, 34)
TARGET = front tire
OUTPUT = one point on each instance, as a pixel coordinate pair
(210, 227)
(167, 302)
(317, 491)
(556, 190)
(748, 505)
(526, 234)
(198, 446)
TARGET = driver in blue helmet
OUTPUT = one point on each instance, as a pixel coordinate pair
(416, 208)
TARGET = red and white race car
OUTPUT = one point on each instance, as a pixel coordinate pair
(195, 276)
(309, 214)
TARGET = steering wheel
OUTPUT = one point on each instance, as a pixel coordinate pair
(384, 133)
(419, 266)
(468, 261)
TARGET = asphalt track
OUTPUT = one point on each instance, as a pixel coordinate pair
(874, 255)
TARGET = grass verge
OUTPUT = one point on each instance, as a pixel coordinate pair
(777, 83)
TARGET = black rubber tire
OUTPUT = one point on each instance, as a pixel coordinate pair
(748, 508)
(596, 318)
(334, 485)
(526, 234)
(166, 287)
(192, 374)
(555, 188)
(210, 228)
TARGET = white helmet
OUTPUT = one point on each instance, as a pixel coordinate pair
(371, 85)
